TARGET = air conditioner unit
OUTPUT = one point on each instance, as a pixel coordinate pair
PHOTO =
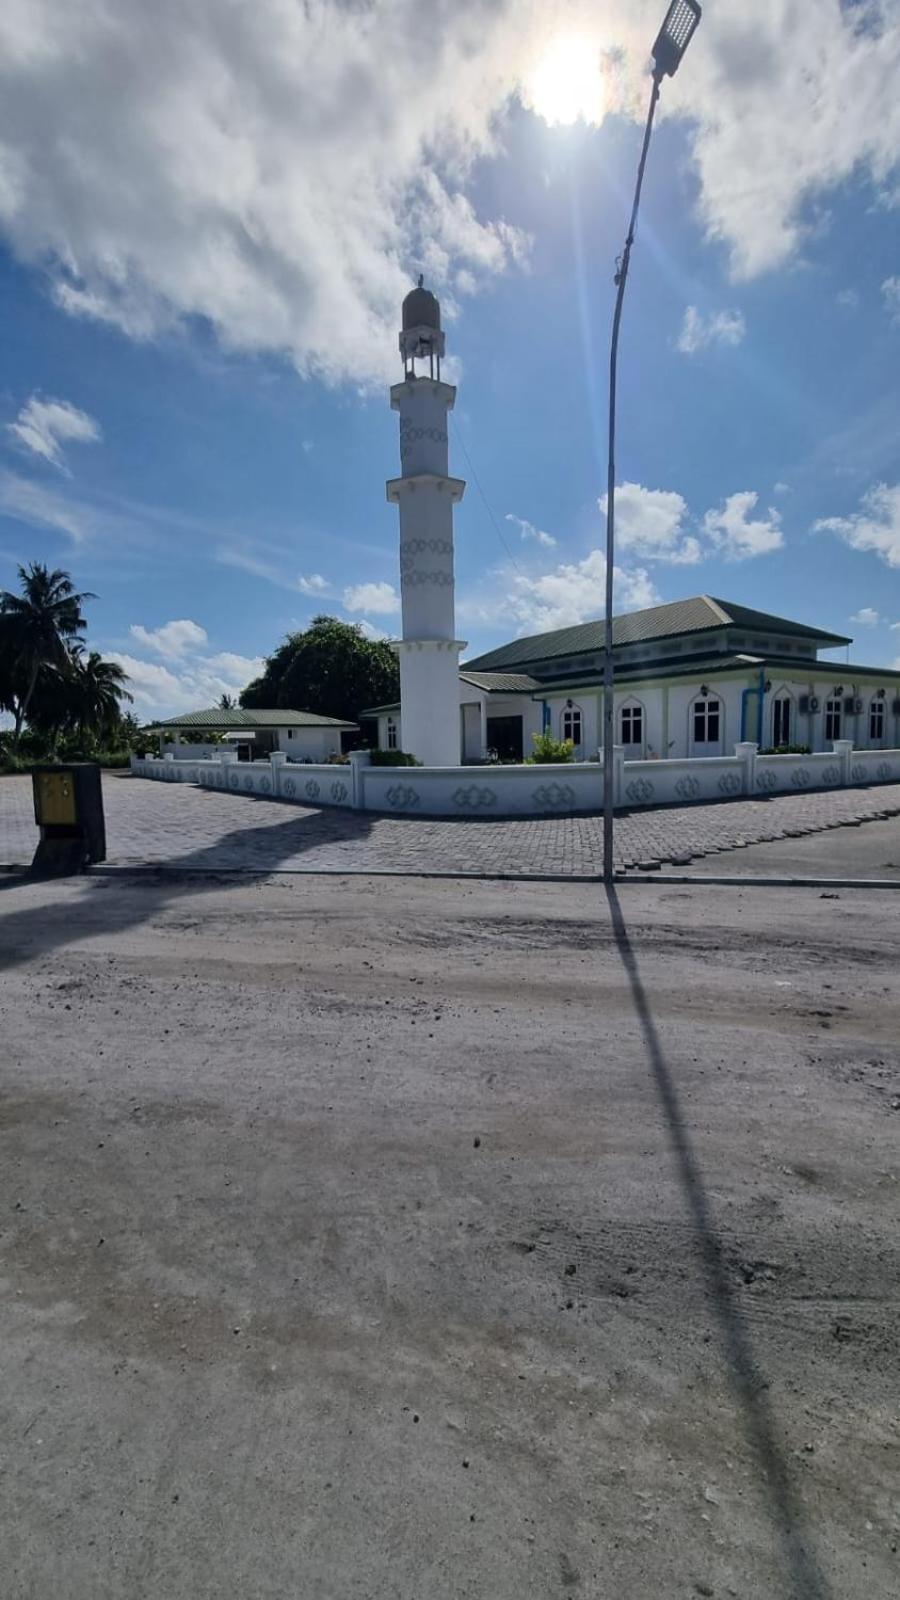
(803, 704)
(895, 708)
(849, 704)
(809, 704)
(857, 705)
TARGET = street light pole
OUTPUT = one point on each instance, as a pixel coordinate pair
(674, 37)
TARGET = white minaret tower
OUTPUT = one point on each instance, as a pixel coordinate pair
(429, 651)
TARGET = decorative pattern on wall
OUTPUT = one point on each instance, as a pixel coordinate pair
(640, 791)
(688, 788)
(409, 435)
(290, 788)
(248, 782)
(402, 797)
(311, 788)
(766, 781)
(339, 792)
(412, 547)
(235, 781)
(800, 778)
(883, 771)
(266, 785)
(442, 579)
(474, 798)
(730, 783)
(832, 774)
(554, 795)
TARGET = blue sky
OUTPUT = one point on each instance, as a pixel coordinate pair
(206, 232)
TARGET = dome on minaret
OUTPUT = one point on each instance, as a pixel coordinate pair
(421, 308)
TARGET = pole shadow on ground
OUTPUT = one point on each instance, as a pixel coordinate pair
(806, 1580)
(38, 930)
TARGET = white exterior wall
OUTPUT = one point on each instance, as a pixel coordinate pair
(532, 790)
(190, 752)
(309, 744)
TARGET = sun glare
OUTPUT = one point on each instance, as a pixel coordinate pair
(566, 84)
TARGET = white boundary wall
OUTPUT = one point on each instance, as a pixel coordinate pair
(496, 791)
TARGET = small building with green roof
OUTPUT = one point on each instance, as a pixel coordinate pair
(300, 735)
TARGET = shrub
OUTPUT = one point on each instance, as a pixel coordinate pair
(785, 750)
(547, 749)
(393, 758)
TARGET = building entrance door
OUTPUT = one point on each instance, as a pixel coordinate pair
(504, 734)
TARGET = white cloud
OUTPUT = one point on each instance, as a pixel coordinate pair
(650, 523)
(529, 532)
(315, 584)
(191, 683)
(274, 568)
(719, 327)
(732, 530)
(380, 599)
(867, 617)
(173, 639)
(38, 507)
(369, 630)
(279, 169)
(44, 426)
(572, 592)
(875, 527)
(848, 298)
(890, 290)
(781, 488)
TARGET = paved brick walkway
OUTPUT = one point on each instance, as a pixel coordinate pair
(207, 830)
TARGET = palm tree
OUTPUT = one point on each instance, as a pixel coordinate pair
(97, 690)
(227, 702)
(38, 629)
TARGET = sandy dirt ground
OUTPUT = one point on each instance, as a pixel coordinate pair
(365, 1239)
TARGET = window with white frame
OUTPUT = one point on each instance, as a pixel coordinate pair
(632, 724)
(708, 720)
(781, 720)
(392, 733)
(833, 717)
(876, 720)
(571, 724)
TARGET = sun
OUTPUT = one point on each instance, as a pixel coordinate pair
(566, 84)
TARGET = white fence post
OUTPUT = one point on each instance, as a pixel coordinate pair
(843, 749)
(278, 761)
(358, 760)
(746, 751)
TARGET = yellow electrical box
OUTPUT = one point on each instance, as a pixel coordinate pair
(54, 799)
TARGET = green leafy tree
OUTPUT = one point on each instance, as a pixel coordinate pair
(97, 690)
(227, 702)
(331, 668)
(38, 629)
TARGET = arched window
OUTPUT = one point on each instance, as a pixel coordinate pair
(833, 717)
(876, 721)
(631, 723)
(781, 720)
(707, 720)
(392, 733)
(571, 724)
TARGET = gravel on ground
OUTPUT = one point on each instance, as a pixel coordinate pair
(369, 1238)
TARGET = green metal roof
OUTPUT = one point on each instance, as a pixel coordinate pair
(220, 721)
(699, 614)
(500, 682)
